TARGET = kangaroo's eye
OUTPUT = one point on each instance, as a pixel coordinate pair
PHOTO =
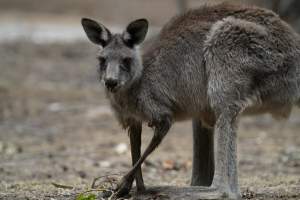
(102, 62)
(126, 64)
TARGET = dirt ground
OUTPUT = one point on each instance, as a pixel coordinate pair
(57, 127)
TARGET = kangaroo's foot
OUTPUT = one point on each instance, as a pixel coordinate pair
(123, 187)
(217, 193)
(191, 193)
(140, 188)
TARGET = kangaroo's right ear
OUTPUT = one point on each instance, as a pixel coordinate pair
(135, 32)
(97, 33)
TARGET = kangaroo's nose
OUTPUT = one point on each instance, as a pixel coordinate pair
(111, 83)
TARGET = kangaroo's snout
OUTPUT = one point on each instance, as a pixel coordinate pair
(111, 84)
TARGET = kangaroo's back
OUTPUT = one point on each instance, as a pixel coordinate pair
(205, 16)
(181, 44)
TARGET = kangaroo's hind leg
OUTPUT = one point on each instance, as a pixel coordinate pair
(203, 155)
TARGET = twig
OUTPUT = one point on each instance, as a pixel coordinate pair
(108, 178)
(62, 186)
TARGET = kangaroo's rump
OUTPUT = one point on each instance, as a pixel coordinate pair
(247, 64)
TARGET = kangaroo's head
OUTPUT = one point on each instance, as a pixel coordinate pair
(120, 63)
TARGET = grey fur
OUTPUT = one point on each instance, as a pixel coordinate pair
(211, 64)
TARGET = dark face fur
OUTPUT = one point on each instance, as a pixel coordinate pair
(119, 60)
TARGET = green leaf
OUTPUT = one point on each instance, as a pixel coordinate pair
(86, 197)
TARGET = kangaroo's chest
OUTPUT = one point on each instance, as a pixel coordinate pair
(127, 109)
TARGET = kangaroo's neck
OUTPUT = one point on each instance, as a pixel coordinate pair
(125, 102)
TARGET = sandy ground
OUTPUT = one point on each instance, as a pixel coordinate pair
(57, 127)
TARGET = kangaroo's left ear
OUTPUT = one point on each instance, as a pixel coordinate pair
(135, 32)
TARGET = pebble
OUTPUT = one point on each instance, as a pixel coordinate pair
(105, 164)
(82, 174)
(121, 148)
(55, 107)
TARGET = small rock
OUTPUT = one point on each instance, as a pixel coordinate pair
(49, 176)
(50, 156)
(121, 148)
(105, 164)
(170, 165)
(96, 164)
(82, 174)
(10, 149)
(55, 107)
(64, 168)
(19, 149)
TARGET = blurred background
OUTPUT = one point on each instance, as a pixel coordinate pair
(56, 126)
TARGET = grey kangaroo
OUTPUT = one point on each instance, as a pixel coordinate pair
(212, 64)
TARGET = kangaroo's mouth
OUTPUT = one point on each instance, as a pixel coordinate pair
(113, 90)
(112, 85)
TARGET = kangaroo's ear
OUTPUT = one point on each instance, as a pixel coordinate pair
(135, 32)
(97, 33)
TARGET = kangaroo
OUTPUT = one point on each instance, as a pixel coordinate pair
(213, 65)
